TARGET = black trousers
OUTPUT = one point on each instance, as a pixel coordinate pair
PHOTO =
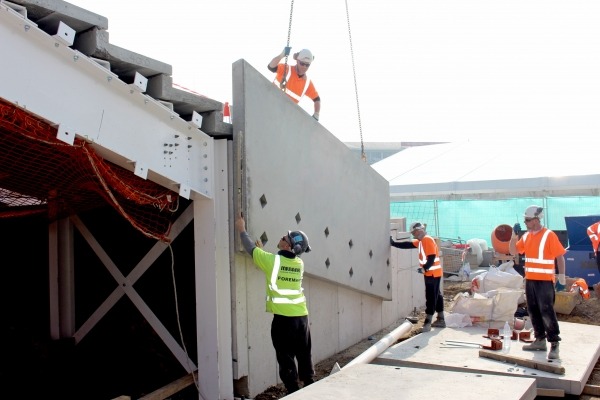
(434, 300)
(291, 339)
(598, 260)
(540, 307)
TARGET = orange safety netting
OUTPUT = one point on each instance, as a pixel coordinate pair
(40, 174)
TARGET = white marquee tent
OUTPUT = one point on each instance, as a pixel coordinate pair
(486, 170)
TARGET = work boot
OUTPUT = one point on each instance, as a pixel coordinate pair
(439, 323)
(553, 355)
(427, 323)
(292, 387)
(538, 345)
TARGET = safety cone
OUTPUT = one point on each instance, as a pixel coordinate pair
(226, 113)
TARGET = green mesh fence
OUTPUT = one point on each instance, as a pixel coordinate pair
(469, 219)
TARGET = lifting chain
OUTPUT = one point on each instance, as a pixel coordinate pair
(284, 77)
(362, 146)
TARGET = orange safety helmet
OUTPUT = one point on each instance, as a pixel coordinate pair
(581, 286)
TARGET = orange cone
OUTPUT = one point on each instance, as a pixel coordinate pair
(226, 112)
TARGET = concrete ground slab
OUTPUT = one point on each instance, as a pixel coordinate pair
(579, 351)
(381, 382)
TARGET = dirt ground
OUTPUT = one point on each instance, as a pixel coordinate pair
(586, 312)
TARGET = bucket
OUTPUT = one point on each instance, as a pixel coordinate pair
(500, 238)
(565, 302)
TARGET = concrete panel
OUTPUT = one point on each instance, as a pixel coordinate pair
(407, 285)
(350, 317)
(296, 175)
(48, 14)
(323, 315)
(579, 351)
(379, 382)
(85, 100)
(262, 363)
(371, 315)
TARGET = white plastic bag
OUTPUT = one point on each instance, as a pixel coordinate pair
(478, 308)
(455, 320)
(493, 308)
(496, 278)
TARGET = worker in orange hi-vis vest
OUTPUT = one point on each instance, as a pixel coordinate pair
(292, 79)
(580, 286)
(431, 267)
(593, 232)
(541, 247)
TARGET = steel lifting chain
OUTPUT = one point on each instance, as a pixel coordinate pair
(284, 78)
(362, 146)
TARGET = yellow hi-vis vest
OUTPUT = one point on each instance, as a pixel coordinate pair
(285, 295)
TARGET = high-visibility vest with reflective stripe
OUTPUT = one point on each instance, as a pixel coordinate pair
(295, 87)
(540, 250)
(593, 232)
(581, 286)
(427, 246)
(285, 295)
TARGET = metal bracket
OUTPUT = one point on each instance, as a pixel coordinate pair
(140, 83)
(65, 34)
(65, 134)
(196, 121)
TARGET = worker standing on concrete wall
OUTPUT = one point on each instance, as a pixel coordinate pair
(429, 261)
(541, 247)
(290, 330)
(292, 79)
(593, 232)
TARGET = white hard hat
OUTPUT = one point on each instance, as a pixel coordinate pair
(417, 226)
(305, 56)
(534, 212)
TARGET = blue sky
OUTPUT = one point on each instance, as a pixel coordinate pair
(427, 70)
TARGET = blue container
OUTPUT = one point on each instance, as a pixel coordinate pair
(579, 260)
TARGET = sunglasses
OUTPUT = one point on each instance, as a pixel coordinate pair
(304, 64)
(285, 239)
(529, 219)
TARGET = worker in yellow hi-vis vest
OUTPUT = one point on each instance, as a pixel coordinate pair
(290, 331)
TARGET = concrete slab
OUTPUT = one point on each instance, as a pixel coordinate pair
(579, 351)
(381, 382)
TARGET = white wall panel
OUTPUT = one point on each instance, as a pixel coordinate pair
(296, 175)
(350, 317)
(291, 173)
(127, 127)
(323, 315)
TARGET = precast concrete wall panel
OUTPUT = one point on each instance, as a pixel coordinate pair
(296, 175)
(409, 286)
(125, 126)
(290, 173)
(350, 317)
(323, 310)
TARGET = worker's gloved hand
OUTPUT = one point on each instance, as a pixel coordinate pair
(316, 116)
(286, 50)
(420, 271)
(561, 281)
(517, 229)
(391, 241)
